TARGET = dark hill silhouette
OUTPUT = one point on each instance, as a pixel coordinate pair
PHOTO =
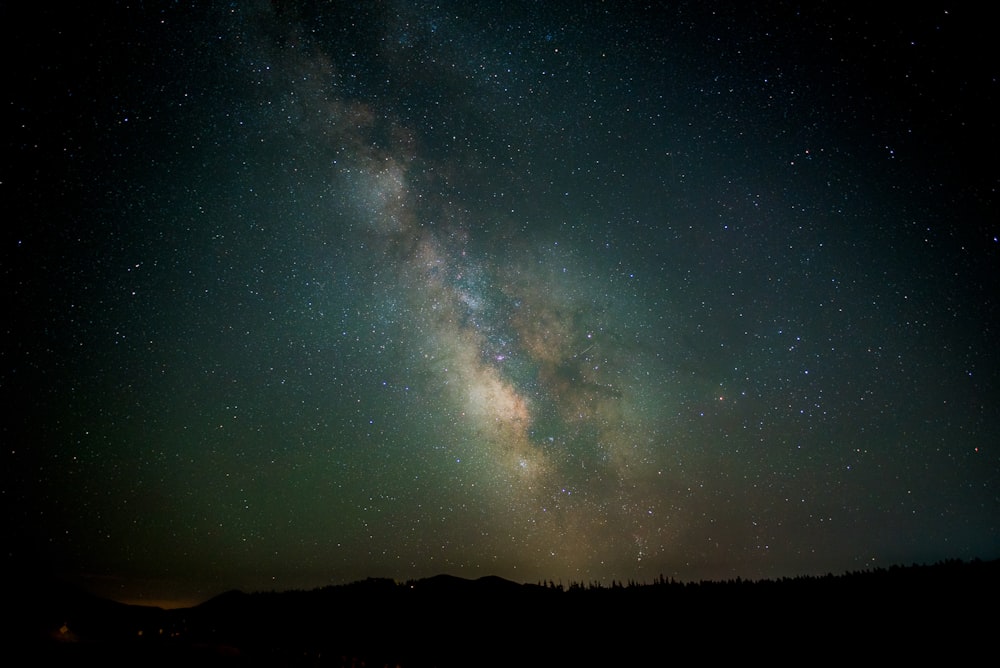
(891, 614)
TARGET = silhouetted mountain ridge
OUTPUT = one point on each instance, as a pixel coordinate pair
(451, 621)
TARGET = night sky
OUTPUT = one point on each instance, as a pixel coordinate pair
(300, 293)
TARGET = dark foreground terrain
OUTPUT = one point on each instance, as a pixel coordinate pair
(945, 612)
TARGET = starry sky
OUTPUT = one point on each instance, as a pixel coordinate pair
(305, 292)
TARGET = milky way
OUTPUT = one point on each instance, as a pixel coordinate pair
(526, 373)
(310, 293)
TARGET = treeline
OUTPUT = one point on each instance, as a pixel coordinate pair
(948, 569)
(893, 614)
